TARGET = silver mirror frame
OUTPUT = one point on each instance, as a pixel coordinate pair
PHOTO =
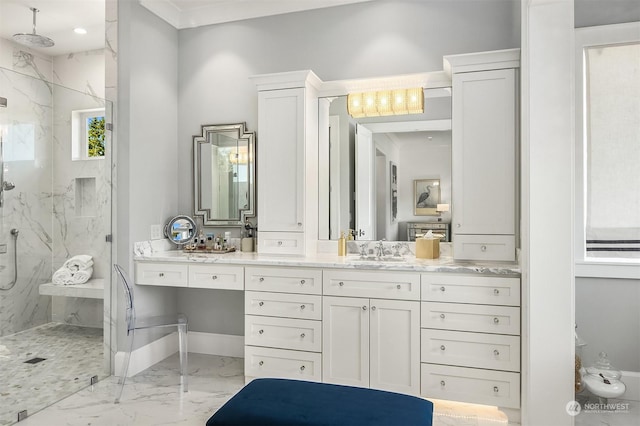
(241, 133)
(182, 241)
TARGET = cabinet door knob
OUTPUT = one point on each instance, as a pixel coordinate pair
(373, 308)
(442, 316)
(364, 308)
(261, 363)
(302, 306)
(442, 288)
(483, 248)
(299, 223)
(458, 225)
(496, 320)
(442, 347)
(302, 368)
(279, 243)
(496, 352)
(341, 283)
(214, 277)
(302, 281)
(302, 336)
(495, 389)
(261, 279)
(161, 274)
(442, 383)
(496, 291)
(398, 286)
(260, 331)
(261, 304)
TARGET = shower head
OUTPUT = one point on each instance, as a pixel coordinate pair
(33, 39)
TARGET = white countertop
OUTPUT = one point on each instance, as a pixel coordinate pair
(352, 261)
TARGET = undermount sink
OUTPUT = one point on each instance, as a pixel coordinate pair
(379, 259)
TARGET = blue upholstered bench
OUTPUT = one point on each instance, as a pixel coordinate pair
(293, 402)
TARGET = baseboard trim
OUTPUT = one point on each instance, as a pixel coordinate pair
(201, 343)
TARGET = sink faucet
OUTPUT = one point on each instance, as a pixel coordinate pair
(363, 250)
(380, 248)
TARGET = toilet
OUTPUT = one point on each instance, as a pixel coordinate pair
(602, 380)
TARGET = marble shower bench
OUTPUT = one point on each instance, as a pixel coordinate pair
(92, 289)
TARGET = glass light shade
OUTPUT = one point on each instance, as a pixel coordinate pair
(386, 102)
(354, 105)
(369, 106)
(415, 101)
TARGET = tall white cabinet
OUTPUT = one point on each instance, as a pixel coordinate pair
(484, 154)
(287, 162)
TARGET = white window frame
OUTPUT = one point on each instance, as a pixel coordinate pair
(585, 266)
(79, 133)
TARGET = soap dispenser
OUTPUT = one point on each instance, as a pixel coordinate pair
(342, 245)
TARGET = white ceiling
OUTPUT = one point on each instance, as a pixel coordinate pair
(57, 18)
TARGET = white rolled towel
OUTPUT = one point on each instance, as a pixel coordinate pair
(82, 276)
(79, 263)
(62, 276)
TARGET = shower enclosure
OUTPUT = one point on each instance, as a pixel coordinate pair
(55, 192)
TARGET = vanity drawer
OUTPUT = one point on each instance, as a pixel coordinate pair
(285, 280)
(303, 306)
(382, 285)
(283, 333)
(479, 318)
(484, 247)
(282, 363)
(497, 388)
(281, 242)
(216, 276)
(163, 274)
(492, 351)
(471, 289)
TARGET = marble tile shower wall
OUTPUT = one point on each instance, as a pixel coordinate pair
(37, 136)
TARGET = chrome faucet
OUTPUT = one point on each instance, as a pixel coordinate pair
(380, 248)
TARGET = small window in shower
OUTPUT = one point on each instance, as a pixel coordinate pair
(88, 134)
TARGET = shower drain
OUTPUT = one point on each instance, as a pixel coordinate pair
(34, 360)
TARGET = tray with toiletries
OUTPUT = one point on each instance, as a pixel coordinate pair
(207, 250)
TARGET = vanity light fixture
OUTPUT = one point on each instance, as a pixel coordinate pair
(386, 102)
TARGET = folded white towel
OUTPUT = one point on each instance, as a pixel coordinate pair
(64, 276)
(79, 263)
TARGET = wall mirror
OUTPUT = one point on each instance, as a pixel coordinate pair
(224, 174)
(180, 230)
(372, 164)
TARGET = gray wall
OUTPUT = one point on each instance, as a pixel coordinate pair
(607, 310)
(364, 40)
(147, 175)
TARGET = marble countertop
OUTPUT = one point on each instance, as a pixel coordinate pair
(323, 260)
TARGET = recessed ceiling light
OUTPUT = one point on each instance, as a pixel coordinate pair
(79, 30)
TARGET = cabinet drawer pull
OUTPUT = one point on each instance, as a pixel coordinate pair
(458, 225)
(442, 383)
(496, 352)
(442, 347)
(496, 320)
(483, 248)
(302, 368)
(364, 308)
(398, 286)
(496, 291)
(442, 288)
(495, 389)
(302, 281)
(373, 308)
(261, 304)
(214, 277)
(341, 283)
(261, 279)
(260, 331)
(442, 316)
(261, 363)
(302, 336)
(299, 223)
(161, 274)
(302, 306)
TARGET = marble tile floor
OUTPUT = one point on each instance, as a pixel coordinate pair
(72, 356)
(618, 413)
(153, 397)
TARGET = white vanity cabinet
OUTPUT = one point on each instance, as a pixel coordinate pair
(283, 327)
(371, 342)
(470, 339)
(221, 277)
(288, 162)
(484, 147)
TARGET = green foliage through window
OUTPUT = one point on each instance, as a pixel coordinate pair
(95, 136)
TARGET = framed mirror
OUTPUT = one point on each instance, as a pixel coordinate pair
(224, 174)
(368, 170)
(180, 230)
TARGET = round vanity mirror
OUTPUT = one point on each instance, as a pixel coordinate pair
(180, 230)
